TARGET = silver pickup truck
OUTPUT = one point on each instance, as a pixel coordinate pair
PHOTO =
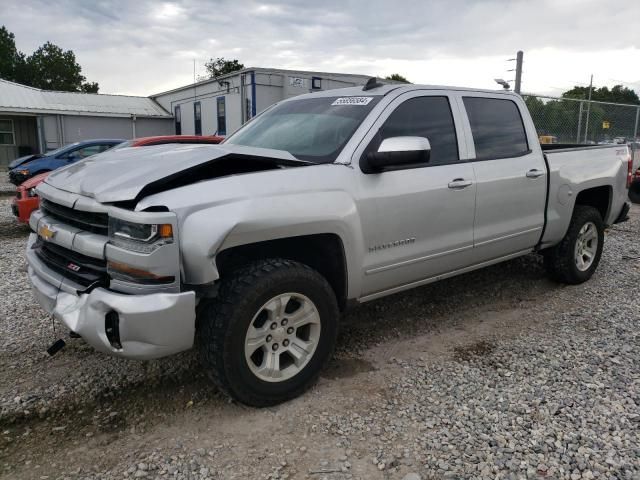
(251, 249)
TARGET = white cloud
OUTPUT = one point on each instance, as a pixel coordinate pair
(144, 47)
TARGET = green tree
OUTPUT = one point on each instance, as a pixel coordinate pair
(397, 77)
(217, 67)
(617, 94)
(51, 68)
(48, 68)
(11, 60)
(89, 87)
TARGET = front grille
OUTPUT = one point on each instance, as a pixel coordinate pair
(91, 221)
(72, 265)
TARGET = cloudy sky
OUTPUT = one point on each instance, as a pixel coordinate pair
(142, 47)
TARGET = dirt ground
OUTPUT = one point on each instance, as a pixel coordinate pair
(180, 419)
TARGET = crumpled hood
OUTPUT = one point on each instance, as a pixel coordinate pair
(122, 175)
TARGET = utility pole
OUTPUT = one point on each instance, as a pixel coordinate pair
(518, 85)
(579, 123)
(586, 123)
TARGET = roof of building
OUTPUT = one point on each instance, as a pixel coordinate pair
(356, 77)
(17, 98)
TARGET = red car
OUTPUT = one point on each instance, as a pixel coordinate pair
(161, 140)
(26, 200)
(634, 189)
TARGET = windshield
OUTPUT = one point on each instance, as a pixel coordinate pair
(313, 129)
(60, 150)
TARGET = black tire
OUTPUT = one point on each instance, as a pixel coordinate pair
(224, 321)
(560, 260)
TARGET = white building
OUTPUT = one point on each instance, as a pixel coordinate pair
(36, 121)
(221, 105)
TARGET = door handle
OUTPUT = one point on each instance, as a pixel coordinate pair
(459, 184)
(534, 173)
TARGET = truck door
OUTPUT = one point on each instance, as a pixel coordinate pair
(510, 177)
(418, 221)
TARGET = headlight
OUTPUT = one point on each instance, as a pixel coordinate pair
(23, 172)
(139, 237)
(32, 192)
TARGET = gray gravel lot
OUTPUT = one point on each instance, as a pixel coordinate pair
(6, 188)
(495, 374)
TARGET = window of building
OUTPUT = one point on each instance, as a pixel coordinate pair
(197, 118)
(497, 128)
(247, 108)
(221, 114)
(178, 120)
(428, 117)
(7, 136)
(316, 83)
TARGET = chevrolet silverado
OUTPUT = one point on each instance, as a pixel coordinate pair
(250, 250)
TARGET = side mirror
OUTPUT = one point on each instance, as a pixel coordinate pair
(398, 152)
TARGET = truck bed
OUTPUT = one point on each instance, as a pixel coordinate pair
(574, 168)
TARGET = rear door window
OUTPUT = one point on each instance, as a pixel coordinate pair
(497, 128)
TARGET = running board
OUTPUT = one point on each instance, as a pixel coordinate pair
(442, 276)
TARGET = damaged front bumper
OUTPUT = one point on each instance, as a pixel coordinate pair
(130, 326)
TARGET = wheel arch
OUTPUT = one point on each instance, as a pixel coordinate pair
(324, 252)
(599, 197)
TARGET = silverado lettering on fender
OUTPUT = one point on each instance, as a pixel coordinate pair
(250, 249)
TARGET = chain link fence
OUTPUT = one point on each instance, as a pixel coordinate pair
(568, 120)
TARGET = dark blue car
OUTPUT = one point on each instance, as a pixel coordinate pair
(24, 168)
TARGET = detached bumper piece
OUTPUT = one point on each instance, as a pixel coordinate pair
(624, 213)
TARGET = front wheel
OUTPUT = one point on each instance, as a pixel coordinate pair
(270, 331)
(577, 256)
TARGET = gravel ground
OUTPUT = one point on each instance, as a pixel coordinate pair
(495, 374)
(6, 188)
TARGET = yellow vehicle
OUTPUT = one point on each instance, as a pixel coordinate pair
(545, 139)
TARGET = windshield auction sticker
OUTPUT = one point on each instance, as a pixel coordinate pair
(352, 101)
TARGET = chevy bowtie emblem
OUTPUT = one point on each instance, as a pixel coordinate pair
(46, 232)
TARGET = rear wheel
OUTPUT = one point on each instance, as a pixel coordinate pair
(577, 256)
(270, 332)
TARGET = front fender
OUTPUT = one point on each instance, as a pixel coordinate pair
(208, 231)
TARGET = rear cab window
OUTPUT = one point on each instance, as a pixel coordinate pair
(497, 128)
